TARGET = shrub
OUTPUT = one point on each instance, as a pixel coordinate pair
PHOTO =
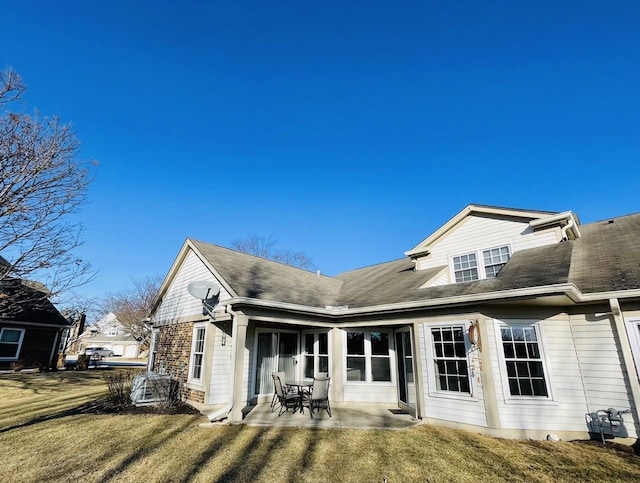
(119, 386)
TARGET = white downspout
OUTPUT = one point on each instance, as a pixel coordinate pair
(627, 357)
(563, 230)
(223, 413)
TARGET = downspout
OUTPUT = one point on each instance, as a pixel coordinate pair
(563, 230)
(627, 356)
(224, 412)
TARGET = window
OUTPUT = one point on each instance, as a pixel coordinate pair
(112, 330)
(494, 260)
(450, 365)
(10, 343)
(368, 357)
(523, 359)
(316, 353)
(197, 352)
(467, 269)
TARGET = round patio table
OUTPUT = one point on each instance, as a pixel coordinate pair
(300, 387)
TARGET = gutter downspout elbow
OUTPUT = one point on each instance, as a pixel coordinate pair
(224, 412)
(563, 230)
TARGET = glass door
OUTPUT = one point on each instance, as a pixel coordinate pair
(275, 352)
(404, 355)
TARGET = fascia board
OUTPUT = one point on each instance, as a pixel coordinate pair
(570, 290)
(423, 247)
(10, 323)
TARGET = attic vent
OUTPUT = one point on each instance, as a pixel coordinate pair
(336, 307)
(610, 221)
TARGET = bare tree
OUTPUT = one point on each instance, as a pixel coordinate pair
(132, 307)
(265, 247)
(42, 184)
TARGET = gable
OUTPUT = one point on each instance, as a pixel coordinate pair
(176, 300)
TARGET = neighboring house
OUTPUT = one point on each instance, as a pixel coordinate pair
(510, 322)
(109, 333)
(30, 326)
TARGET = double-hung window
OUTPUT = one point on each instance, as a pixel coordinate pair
(494, 260)
(523, 359)
(450, 362)
(10, 343)
(316, 353)
(368, 356)
(197, 352)
(467, 267)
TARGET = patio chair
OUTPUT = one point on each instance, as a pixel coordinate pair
(319, 397)
(287, 400)
(285, 389)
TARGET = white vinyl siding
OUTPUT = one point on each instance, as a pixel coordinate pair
(220, 384)
(476, 232)
(584, 373)
(450, 406)
(177, 302)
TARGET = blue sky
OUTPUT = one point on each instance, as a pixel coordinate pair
(347, 130)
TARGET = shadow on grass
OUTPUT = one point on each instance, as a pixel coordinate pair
(86, 408)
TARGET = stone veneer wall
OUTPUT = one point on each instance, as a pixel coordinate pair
(173, 350)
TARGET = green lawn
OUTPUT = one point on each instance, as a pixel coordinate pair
(45, 439)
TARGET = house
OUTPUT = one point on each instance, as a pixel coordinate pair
(509, 322)
(109, 333)
(31, 328)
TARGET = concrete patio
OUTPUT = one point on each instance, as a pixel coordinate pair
(343, 416)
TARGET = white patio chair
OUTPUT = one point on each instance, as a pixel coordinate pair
(319, 396)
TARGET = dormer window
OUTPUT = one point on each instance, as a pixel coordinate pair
(494, 260)
(467, 269)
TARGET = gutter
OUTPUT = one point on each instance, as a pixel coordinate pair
(567, 289)
(34, 324)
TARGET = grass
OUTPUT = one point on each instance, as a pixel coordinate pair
(46, 437)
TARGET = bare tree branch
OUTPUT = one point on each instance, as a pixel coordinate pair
(264, 247)
(42, 184)
(131, 307)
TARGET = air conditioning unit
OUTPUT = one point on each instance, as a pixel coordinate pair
(151, 388)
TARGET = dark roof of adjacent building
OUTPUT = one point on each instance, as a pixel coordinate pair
(22, 302)
(605, 258)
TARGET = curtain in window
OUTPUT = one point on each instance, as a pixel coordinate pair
(266, 363)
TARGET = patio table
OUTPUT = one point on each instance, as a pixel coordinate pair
(300, 387)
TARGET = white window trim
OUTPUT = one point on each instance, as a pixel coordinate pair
(482, 274)
(17, 356)
(316, 346)
(431, 372)
(542, 346)
(194, 331)
(368, 356)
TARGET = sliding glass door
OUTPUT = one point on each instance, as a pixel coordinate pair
(276, 351)
(406, 383)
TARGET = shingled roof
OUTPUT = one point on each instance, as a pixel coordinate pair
(262, 279)
(20, 302)
(605, 258)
